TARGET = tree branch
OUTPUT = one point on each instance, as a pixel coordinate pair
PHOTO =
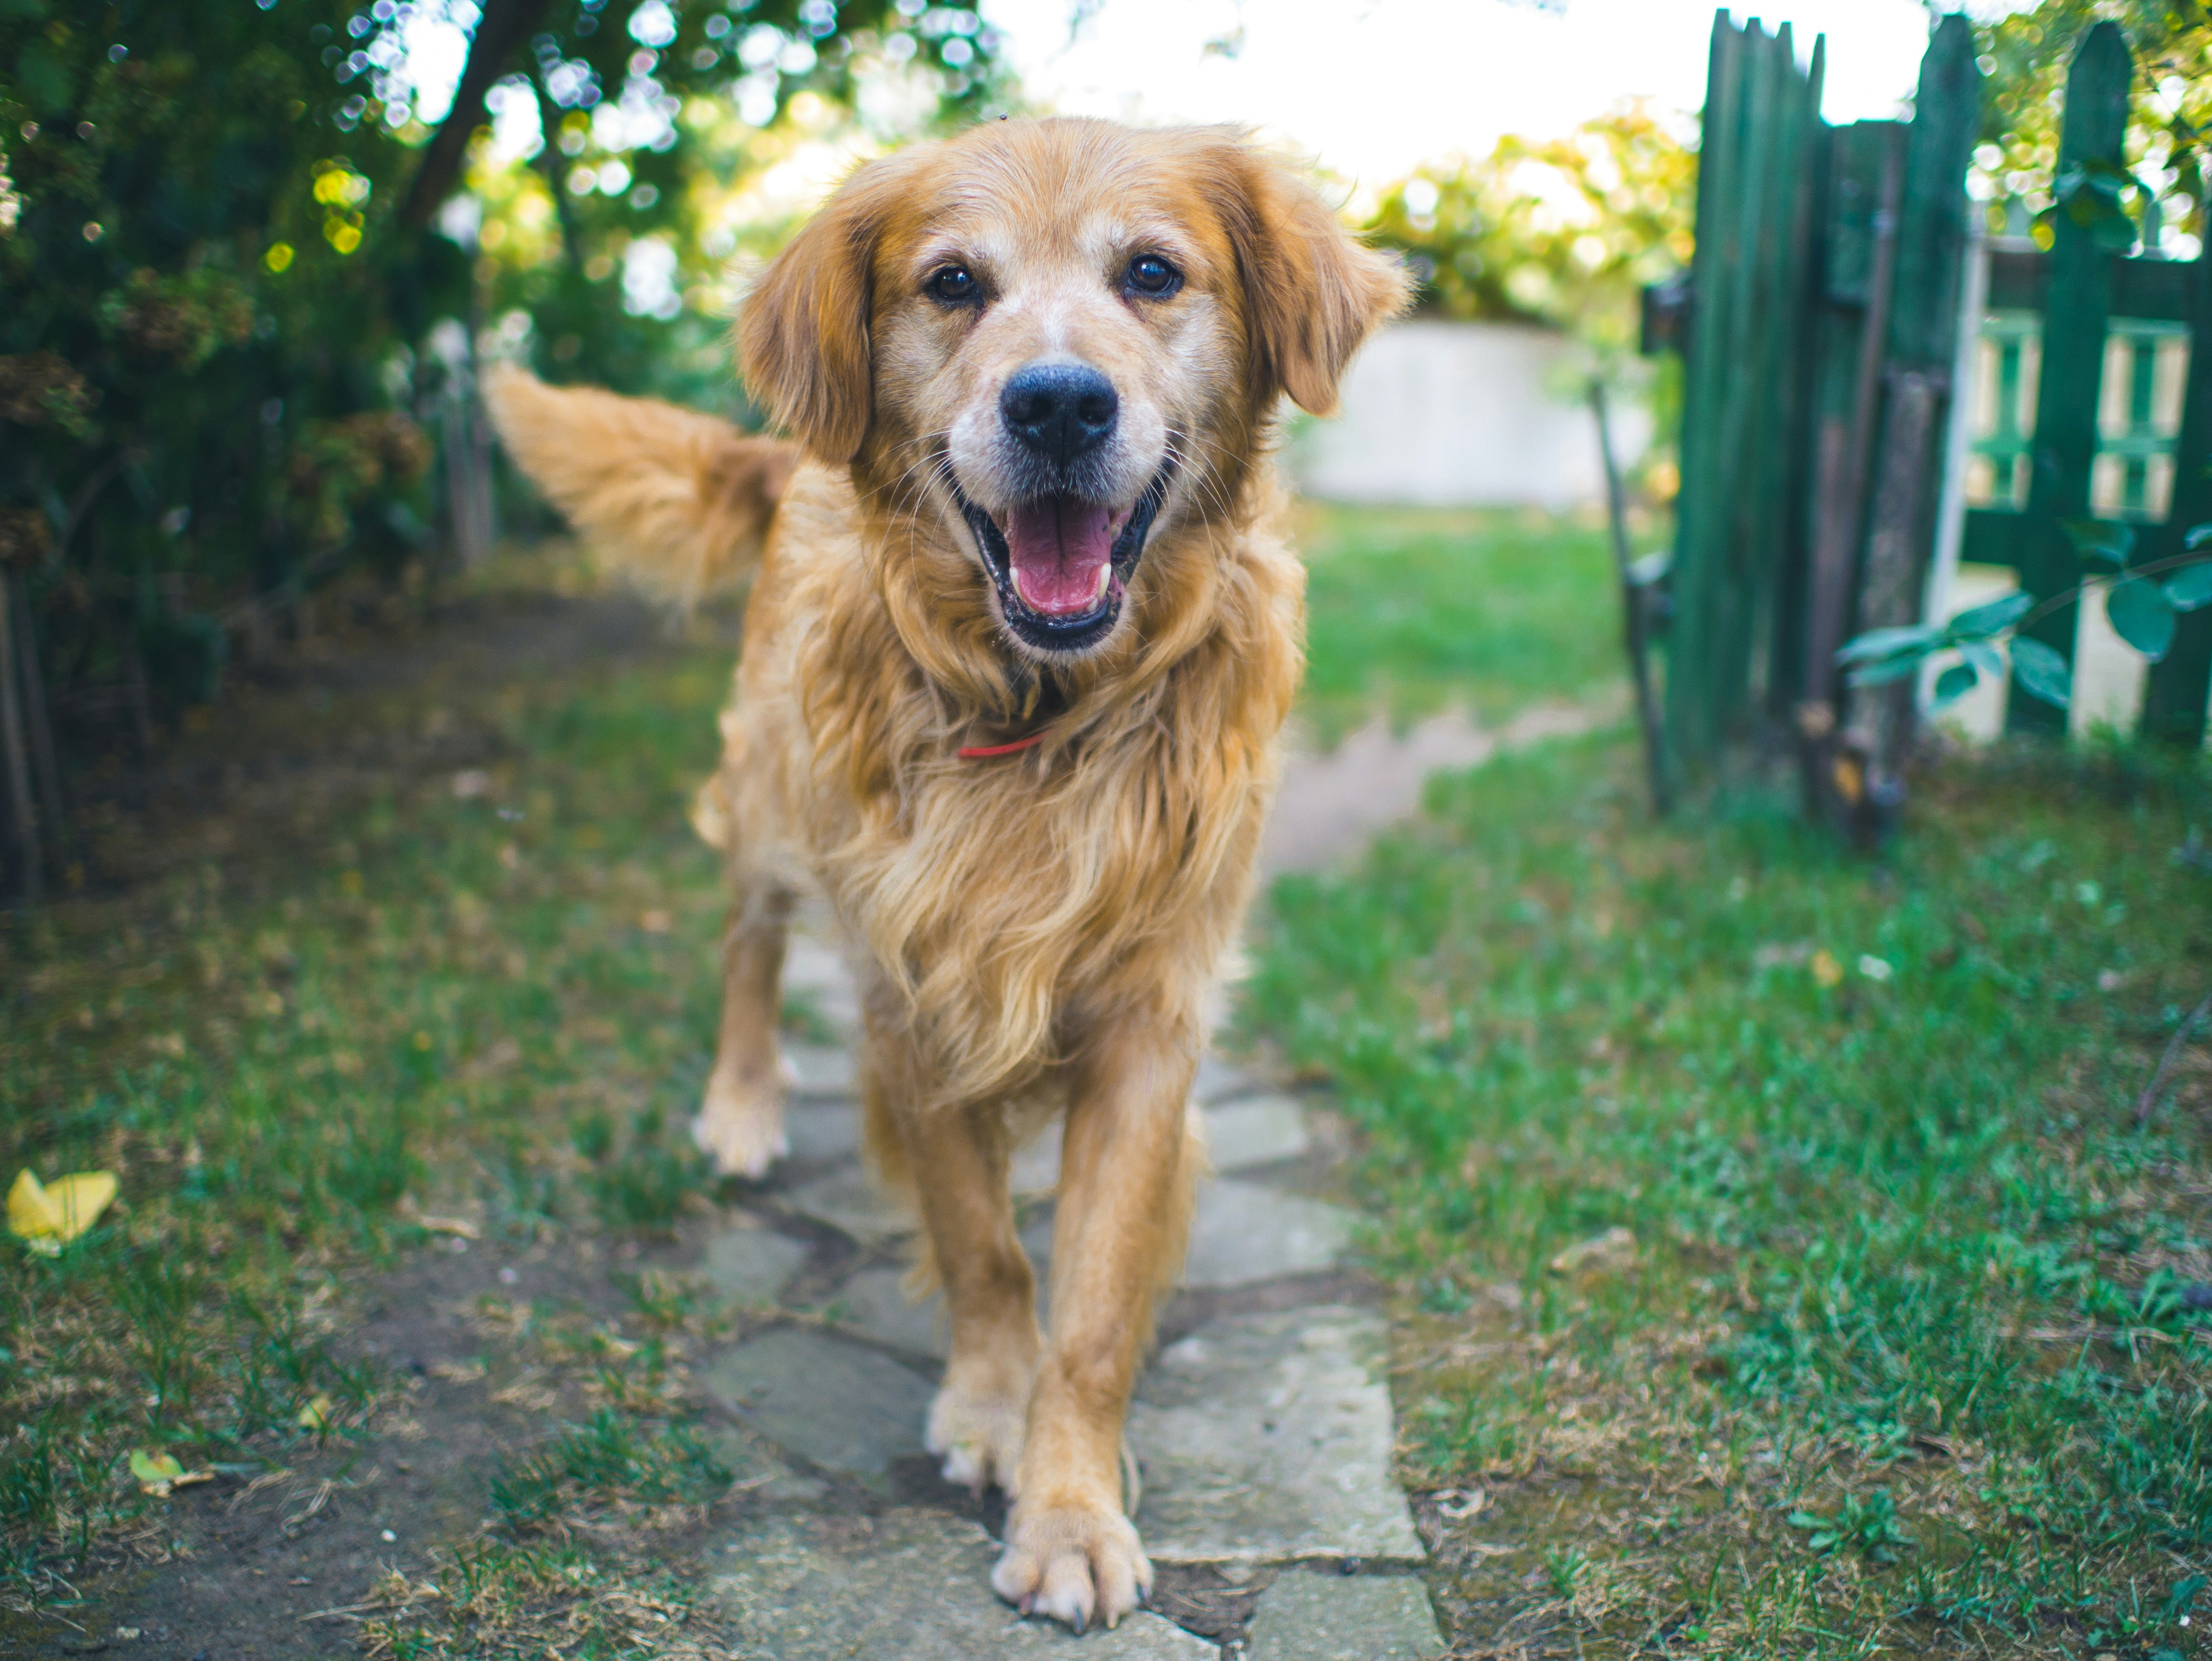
(555, 166)
(504, 26)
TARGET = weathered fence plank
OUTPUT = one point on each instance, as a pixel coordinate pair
(1744, 376)
(2073, 324)
(1922, 347)
(2174, 699)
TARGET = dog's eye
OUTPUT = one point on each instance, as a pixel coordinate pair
(1152, 276)
(955, 285)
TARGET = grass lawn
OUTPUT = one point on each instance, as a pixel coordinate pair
(1898, 1349)
(409, 991)
(1779, 1266)
(1411, 609)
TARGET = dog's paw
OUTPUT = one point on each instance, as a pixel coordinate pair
(741, 1125)
(976, 1431)
(1074, 1565)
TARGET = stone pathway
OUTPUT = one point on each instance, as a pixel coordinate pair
(1262, 1427)
(1331, 804)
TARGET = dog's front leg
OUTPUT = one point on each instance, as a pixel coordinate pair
(741, 1121)
(959, 1158)
(1117, 1238)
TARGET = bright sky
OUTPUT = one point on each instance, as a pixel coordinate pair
(1371, 87)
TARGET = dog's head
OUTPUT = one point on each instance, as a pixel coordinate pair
(1057, 339)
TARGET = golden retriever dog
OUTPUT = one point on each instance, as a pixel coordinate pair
(1015, 661)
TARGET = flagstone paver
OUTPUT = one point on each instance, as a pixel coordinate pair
(1245, 1232)
(1269, 1437)
(1310, 1616)
(821, 1070)
(848, 1200)
(1264, 1439)
(874, 1303)
(910, 1584)
(1256, 1130)
(821, 1130)
(837, 1405)
(752, 1265)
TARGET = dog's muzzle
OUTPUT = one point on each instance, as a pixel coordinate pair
(1062, 564)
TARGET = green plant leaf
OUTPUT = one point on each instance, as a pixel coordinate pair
(2190, 587)
(1954, 684)
(2142, 615)
(1889, 670)
(2041, 672)
(2196, 537)
(1917, 638)
(2094, 538)
(1998, 615)
(1984, 657)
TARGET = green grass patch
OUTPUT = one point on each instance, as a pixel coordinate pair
(495, 998)
(611, 1458)
(1411, 609)
(1774, 1243)
(495, 1600)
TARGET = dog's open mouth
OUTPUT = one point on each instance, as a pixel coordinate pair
(1062, 564)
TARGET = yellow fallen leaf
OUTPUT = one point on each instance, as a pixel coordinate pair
(48, 1217)
(1826, 969)
(316, 1416)
(154, 1466)
(158, 1473)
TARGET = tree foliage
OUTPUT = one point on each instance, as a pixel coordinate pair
(2026, 56)
(238, 279)
(1565, 231)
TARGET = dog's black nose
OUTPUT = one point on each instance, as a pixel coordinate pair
(1060, 410)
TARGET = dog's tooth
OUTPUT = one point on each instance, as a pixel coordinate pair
(1105, 576)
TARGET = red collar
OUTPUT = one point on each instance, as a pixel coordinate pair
(984, 751)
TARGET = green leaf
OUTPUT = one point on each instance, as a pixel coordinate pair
(2094, 538)
(2196, 537)
(2190, 587)
(1984, 657)
(1986, 620)
(2041, 672)
(1953, 685)
(1917, 638)
(2142, 615)
(1886, 671)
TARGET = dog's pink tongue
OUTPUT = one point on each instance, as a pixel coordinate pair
(1059, 548)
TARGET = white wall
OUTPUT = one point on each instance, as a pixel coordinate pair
(1463, 414)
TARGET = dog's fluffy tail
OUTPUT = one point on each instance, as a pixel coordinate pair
(681, 500)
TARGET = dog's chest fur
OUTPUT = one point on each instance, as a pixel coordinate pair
(1002, 897)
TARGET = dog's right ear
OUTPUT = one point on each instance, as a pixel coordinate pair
(803, 340)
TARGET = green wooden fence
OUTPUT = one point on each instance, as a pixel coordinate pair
(1820, 325)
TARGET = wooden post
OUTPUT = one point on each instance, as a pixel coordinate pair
(38, 722)
(2174, 700)
(1742, 380)
(1635, 610)
(1847, 434)
(2074, 319)
(14, 767)
(1921, 346)
(1705, 372)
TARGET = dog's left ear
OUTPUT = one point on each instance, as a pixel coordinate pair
(803, 338)
(1313, 293)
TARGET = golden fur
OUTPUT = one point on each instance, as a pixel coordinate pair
(1036, 932)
